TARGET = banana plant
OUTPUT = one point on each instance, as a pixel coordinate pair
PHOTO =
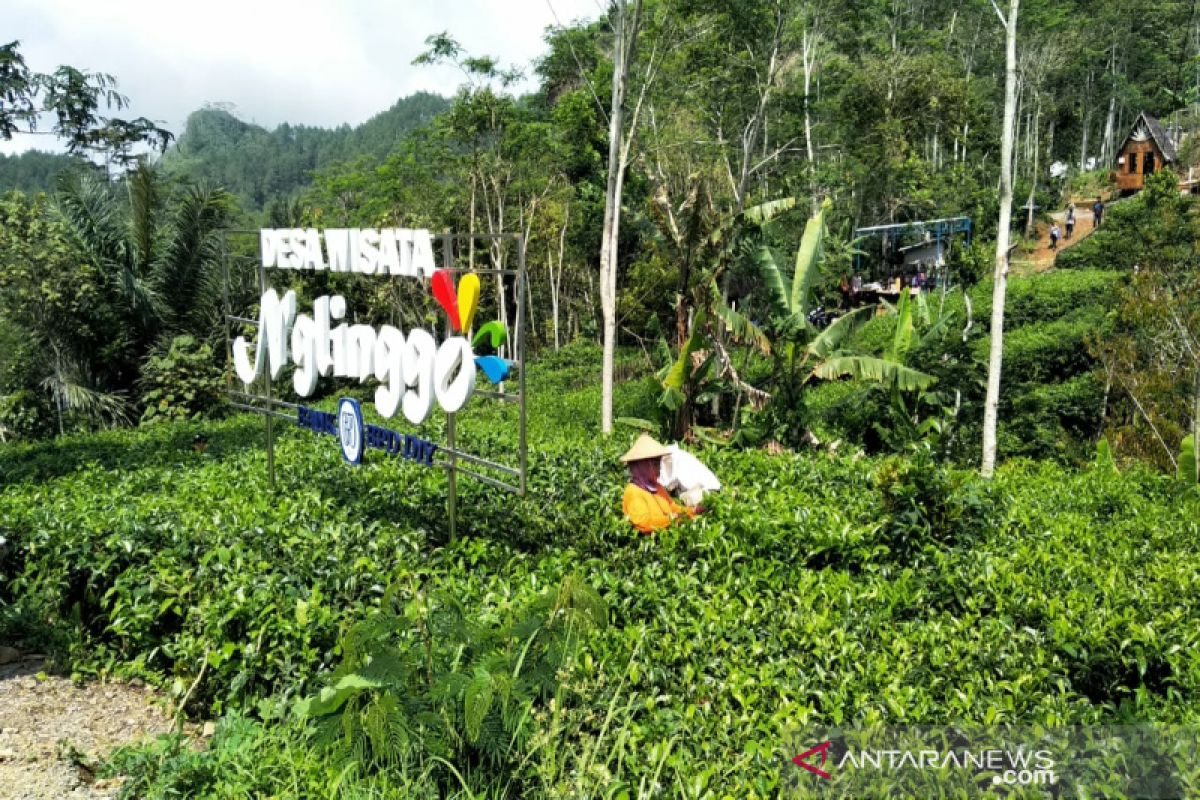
(792, 295)
(703, 358)
(792, 298)
(889, 369)
(796, 341)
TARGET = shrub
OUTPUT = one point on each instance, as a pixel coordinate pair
(425, 680)
(25, 414)
(1046, 351)
(845, 410)
(181, 382)
(929, 505)
(1049, 296)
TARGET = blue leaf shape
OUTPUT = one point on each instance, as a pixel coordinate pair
(495, 368)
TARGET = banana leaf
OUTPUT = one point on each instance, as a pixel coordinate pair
(778, 284)
(808, 256)
(874, 370)
(743, 330)
(902, 339)
(838, 331)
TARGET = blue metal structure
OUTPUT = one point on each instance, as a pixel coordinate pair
(931, 230)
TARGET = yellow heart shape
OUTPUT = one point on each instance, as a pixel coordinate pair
(468, 299)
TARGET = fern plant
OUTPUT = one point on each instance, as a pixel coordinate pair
(424, 683)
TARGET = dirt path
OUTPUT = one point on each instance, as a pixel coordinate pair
(1042, 257)
(42, 717)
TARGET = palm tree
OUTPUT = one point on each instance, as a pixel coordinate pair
(159, 250)
(157, 256)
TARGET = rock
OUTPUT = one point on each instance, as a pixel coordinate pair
(210, 728)
(9, 655)
(7, 754)
(8, 731)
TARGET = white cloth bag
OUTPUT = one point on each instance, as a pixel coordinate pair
(682, 473)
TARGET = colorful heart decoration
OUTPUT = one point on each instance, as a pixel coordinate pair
(496, 369)
(443, 292)
(468, 299)
(493, 332)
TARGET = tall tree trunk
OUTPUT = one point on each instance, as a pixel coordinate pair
(612, 219)
(1087, 121)
(495, 220)
(808, 57)
(1084, 145)
(1049, 149)
(556, 278)
(471, 224)
(1033, 176)
(1107, 146)
(991, 406)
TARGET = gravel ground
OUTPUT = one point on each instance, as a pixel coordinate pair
(37, 714)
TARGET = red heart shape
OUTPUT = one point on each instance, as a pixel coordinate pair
(443, 292)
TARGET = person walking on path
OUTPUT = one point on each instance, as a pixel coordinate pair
(1055, 235)
(1097, 213)
(1070, 220)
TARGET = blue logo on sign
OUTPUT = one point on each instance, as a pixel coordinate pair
(350, 430)
(355, 438)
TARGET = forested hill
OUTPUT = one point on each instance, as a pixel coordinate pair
(32, 171)
(258, 164)
(247, 159)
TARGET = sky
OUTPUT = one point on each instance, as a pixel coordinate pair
(313, 62)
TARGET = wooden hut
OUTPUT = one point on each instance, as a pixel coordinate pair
(1146, 150)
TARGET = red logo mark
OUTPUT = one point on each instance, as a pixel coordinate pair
(822, 750)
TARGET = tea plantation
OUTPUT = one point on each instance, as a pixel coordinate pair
(550, 652)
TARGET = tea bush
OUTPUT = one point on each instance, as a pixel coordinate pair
(1042, 353)
(832, 590)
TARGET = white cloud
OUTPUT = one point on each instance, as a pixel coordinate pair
(300, 61)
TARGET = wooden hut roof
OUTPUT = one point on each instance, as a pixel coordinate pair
(1147, 127)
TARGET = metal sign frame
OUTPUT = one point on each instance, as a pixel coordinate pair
(507, 477)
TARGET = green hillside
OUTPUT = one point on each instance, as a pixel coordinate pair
(247, 159)
(257, 164)
(34, 170)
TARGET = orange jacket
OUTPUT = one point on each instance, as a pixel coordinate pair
(651, 512)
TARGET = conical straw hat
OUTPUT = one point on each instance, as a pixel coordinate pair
(645, 447)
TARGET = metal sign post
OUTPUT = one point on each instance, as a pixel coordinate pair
(451, 463)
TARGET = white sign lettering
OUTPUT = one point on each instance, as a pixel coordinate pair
(367, 251)
(412, 371)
